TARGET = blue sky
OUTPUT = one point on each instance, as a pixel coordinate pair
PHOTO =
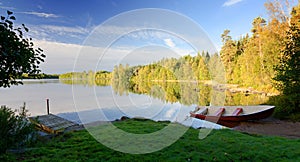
(61, 27)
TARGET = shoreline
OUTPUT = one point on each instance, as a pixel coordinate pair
(271, 127)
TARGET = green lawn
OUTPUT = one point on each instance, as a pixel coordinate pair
(219, 145)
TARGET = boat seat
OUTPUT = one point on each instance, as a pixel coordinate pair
(237, 111)
(203, 111)
(220, 112)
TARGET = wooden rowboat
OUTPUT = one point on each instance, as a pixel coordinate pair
(231, 116)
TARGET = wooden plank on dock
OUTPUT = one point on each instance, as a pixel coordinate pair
(51, 123)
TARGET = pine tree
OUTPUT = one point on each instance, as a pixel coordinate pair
(228, 54)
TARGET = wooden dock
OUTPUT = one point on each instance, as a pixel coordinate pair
(51, 123)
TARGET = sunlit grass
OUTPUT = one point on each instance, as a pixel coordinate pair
(219, 145)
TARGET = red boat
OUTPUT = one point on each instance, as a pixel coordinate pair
(231, 116)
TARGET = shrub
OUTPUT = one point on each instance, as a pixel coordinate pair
(15, 130)
(286, 107)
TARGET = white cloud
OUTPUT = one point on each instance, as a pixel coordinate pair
(7, 8)
(131, 35)
(58, 33)
(64, 29)
(60, 57)
(231, 2)
(41, 14)
(126, 49)
(169, 42)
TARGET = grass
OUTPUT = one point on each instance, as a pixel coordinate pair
(219, 145)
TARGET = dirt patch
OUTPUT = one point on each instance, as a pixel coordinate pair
(271, 126)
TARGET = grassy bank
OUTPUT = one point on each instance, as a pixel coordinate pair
(219, 145)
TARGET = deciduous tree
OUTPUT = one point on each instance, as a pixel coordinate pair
(17, 52)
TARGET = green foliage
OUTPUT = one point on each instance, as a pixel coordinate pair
(286, 106)
(185, 68)
(249, 61)
(288, 71)
(40, 76)
(219, 145)
(17, 52)
(216, 69)
(15, 130)
(100, 78)
(228, 54)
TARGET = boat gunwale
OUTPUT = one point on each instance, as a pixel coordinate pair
(268, 107)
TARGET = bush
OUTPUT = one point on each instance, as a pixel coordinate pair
(286, 107)
(15, 130)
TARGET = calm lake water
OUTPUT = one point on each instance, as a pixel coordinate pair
(106, 103)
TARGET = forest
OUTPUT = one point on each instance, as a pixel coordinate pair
(265, 59)
(268, 58)
(250, 60)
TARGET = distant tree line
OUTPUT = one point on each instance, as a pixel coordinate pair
(40, 76)
(188, 68)
(90, 78)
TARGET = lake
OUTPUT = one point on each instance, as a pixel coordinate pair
(85, 103)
